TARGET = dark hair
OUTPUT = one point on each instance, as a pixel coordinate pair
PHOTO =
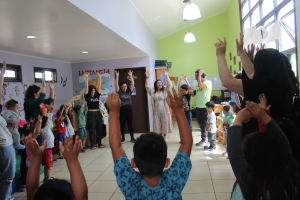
(150, 154)
(29, 95)
(121, 83)
(238, 76)
(77, 108)
(11, 103)
(293, 135)
(44, 121)
(91, 87)
(269, 64)
(226, 108)
(63, 114)
(55, 189)
(184, 86)
(155, 87)
(210, 104)
(203, 75)
(273, 176)
(25, 130)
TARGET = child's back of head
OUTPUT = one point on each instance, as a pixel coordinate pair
(210, 104)
(226, 108)
(273, 174)
(54, 189)
(77, 108)
(150, 154)
(44, 122)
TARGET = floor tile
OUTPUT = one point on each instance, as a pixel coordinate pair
(219, 165)
(98, 195)
(91, 176)
(107, 176)
(96, 167)
(103, 186)
(222, 174)
(223, 196)
(223, 185)
(196, 187)
(117, 197)
(210, 196)
(199, 175)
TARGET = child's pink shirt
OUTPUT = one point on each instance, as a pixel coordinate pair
(28, 152)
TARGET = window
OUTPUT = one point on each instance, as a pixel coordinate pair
(46, 73)
(13, 73)
(255, 13)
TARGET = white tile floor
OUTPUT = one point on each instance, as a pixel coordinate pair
(211, 176)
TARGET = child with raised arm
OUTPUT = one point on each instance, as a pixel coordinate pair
(262, 162)
(80, 113)
(150, 157)
(69, 126)
(47, 135)
(60, 126)
(56, 189)
(211, 126)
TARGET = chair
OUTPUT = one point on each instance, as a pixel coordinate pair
(220, 132)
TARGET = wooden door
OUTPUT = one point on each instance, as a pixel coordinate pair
(139, 101)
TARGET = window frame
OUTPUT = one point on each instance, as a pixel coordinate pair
(275, 13)
(42, 70)
(18, 72)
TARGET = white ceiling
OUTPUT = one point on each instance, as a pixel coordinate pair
(164, 17)
(62, 32)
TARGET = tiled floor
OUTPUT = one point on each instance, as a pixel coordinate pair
(211, 176)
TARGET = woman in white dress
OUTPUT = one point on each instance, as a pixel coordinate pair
(162, 123)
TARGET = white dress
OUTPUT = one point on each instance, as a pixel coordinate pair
(162, 122)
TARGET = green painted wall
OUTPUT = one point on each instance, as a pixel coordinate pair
(187, 58)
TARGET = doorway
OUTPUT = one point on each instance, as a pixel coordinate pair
(140, 111)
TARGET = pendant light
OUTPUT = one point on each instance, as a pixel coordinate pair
(189, 37)
(191, 11)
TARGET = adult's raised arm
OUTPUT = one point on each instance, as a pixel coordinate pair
(117, 81)
(147, 78)
(100, 83)
(131, 80)
(169, 83)
(227, 79)
(51, 86)
(199, 79)
(246, 62)
(2, 79)
(86, 89)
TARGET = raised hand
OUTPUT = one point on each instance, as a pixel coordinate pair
(86, 74)
(243, 115)
(4, 66)
(40, 118)
(34, 147)
(262, 46)
(201, 72)
(130, 73)
(113, 102)
(69, 149)
(250, 51)
(148, 74)
(221, 47)
(190, 89)
(182, 76)
(240, 44)
(263, 102)
(99, 74)
(54, 96)
(43, 82)
(257, 111)
(175, 102)
(84, 103)
(166, 73)
(185, 77)
(51, 85)
(117, 73)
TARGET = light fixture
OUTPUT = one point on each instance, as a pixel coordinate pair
(189, 37)
(191, 11)
(30, 36)
(85, 52)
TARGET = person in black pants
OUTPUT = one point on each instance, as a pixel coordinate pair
(126, 108)
(94, 117)
(23, 167)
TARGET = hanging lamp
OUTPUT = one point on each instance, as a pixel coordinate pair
(191, 11)
(189, 37)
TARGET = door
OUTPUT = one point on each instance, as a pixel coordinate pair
(139, 104)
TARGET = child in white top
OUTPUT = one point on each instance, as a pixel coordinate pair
(211, 126)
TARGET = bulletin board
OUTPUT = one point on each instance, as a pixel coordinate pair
(216, 82)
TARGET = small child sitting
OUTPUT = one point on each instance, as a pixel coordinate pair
(228, 118)
(211, 126)
(60, 126)
(47, 135)
(12, 118)
(56, 189)
(80, 113)
(150, 157)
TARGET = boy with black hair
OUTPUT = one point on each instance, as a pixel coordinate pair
(80, 113)
(211, 126)
(187, 91)
(228, 118)
(202, 91)
(150, 157)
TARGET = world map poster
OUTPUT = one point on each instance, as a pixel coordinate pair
(94, 80)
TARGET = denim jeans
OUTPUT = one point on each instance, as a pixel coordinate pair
(7, 171)
(188, 115)
(202, 119)
(94, 120)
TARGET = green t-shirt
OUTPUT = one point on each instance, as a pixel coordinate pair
(203, 94)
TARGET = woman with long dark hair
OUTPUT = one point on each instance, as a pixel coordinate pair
(94, 117)
(162, 123)
(33, 98)
(126, 108)
(268, 75)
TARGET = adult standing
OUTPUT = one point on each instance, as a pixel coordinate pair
(162, 123)
(34, 97)
(269, 75)
(202, 91)
(126, 108)
(94, 117)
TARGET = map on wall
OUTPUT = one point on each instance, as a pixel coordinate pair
(93, 80)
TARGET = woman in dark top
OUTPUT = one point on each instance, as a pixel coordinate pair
(94, 117)
(33, 98)
(268, 75)
(126, 108)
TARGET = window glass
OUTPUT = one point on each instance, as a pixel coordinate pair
(10, 73)
(48, 76)
(294, 63)
(267, 7)
(252, 3)
(38, 75)
(247, 23)
(285, 42)
(278, 2)
(287, 8)
(270, 20)
(255, 16)
(245, 10)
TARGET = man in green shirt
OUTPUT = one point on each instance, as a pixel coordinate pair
(202, 91)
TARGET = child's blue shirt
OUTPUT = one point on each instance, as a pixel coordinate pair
(170, 185)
